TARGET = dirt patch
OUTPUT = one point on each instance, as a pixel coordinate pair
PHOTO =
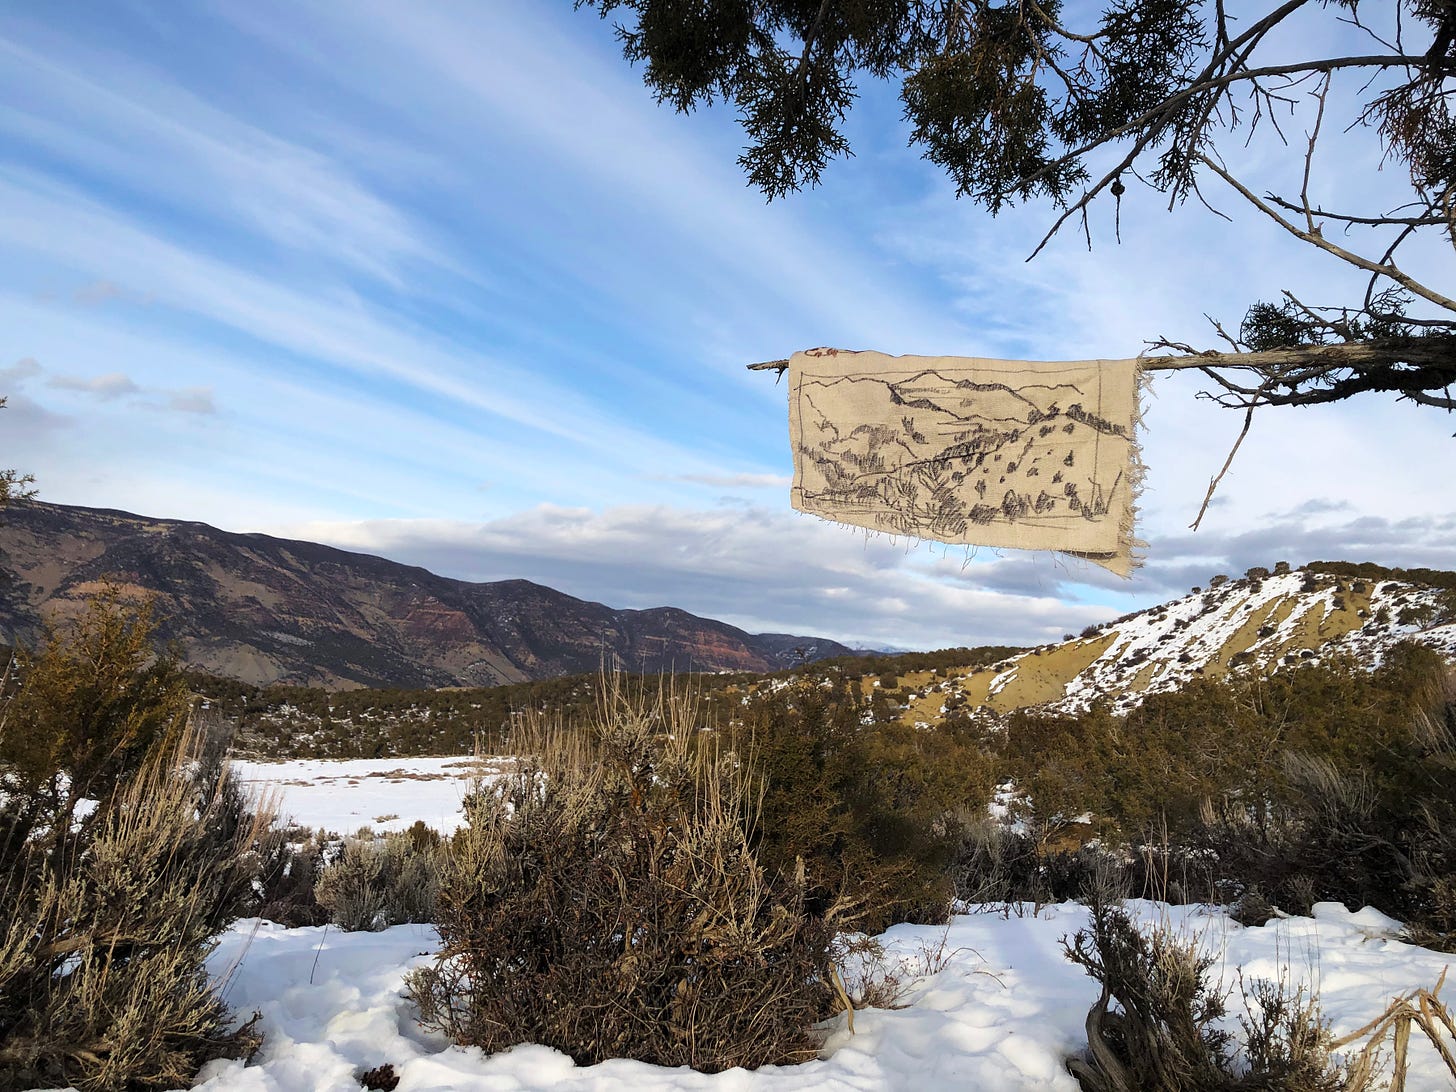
(1043, 675)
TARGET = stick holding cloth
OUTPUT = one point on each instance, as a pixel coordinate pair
(1032, 455)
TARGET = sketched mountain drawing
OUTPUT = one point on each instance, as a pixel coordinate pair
(1037, 455)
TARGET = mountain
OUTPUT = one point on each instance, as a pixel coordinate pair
(1259, 623)
(263, 609)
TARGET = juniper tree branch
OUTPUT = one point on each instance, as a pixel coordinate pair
(1317, 239)
(1413, 367)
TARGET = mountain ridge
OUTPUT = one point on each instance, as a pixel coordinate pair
(264, 609)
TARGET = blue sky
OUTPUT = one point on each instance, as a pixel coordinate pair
(442, 282)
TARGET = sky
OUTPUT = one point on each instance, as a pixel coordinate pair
(443, 283)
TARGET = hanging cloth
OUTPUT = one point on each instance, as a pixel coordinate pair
(1030, 455)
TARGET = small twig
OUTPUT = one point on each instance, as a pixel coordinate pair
(1319, 118)
(1213, 484)
(318, 952)
(779, 366)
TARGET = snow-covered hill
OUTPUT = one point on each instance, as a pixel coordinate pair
(1257, 623)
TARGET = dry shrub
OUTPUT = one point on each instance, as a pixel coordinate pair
(1163, 1035)
(379, 882)
(603, 900)
(1420, 1010)
(1287, 1043)
(103, 983)
(290, 865)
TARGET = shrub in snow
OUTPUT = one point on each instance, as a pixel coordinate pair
(288, 871)
(83, 712)
(379, 882)
(125, 849)
(102, 976)
(1164, 1035)
(603, 899)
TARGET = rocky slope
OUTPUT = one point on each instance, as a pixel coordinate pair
(264, 610)
(1259, 622)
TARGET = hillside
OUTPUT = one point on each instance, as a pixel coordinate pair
(266, 610)
(1259, 622)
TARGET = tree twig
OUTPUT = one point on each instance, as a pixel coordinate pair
(1213, 484)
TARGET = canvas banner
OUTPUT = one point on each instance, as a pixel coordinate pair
(1031, 455)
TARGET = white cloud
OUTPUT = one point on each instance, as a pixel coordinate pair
(111, 385)
(759, 568)
(767, 569)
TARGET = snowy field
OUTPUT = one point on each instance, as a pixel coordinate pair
(387, 794)
(1001, 1009)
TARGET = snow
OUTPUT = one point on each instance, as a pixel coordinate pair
(990, 1001)
(1003, 1008)
(344, 795)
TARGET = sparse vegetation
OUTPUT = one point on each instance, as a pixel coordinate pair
(793, 807)
(1164, 1035)
(111, 913)
(379, 882)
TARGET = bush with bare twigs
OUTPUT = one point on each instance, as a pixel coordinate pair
(603, 899)
(1164, 1035)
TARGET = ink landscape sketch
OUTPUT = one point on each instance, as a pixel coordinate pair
(990, 452)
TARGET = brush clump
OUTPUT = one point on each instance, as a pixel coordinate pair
(127, 848)
(604, 899)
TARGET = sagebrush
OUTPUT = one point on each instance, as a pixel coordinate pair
(603, 899)
(126, 849)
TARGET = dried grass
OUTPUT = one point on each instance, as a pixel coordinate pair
(1421, 1009)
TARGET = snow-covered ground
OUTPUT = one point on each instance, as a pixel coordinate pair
(1002, 1013)
(1001, 1010)
(386, 794)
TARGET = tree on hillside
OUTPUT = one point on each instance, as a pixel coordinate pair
(12, 483)
(1032, 99)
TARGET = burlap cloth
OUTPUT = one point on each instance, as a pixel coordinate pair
(1030, 455)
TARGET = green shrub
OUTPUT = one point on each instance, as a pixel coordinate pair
(83, 712)
(871, 809)
(603, 899)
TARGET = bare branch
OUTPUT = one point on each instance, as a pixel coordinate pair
(1315, 238)
(1367, 221)
(1213, 482)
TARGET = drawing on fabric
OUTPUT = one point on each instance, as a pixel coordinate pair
(990, 452)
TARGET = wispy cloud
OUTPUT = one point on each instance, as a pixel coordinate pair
(759, 568)
(352, 293)
(737, 481)
(137, 118)
(110, 385)
(27, 367)
(192, 400)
